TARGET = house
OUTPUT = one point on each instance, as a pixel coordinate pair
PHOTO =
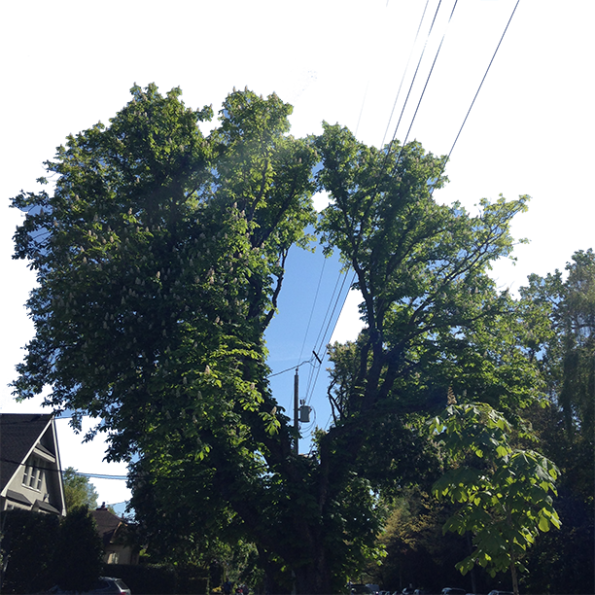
(30, 471)
(117, 536)
(31, 479)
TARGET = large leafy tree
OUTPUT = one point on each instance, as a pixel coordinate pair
(566, 426)
(434, 318)
(160, 256)
(569, 360)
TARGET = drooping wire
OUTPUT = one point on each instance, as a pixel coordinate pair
(361, 110)
(310, 391)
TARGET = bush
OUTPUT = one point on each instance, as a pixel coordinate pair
(28, 541)
(79, 555)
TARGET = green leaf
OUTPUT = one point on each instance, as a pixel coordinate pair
(544, 524)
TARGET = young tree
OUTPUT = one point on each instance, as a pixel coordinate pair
(160, 256)
(506, 493)
(78, 490)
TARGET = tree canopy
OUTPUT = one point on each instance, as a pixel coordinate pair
(160, 255)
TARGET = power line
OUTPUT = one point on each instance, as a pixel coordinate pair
(313, 308)
(331, 317)
(399, 122)
(445, 29)
(405, 73)
(450, 21)
(61, 471)
(289, 369)
(484, 75)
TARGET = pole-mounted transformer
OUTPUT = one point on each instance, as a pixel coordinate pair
(301, 412)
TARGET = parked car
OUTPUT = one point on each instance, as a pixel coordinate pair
(105, 585)
(453, 591)
(496, 592)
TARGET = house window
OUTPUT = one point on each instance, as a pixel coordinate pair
(34, 476)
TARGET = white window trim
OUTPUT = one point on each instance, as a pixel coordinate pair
(33, 475)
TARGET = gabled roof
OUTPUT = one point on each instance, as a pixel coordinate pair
(107, 523)
(19, 433)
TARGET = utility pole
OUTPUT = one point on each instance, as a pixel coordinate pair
(296, 390)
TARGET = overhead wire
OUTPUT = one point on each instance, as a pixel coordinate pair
(310, 385)
(316, 369)
(483, 78)
(411, 86)
(405, 73)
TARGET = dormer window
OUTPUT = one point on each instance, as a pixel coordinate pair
(33, 474)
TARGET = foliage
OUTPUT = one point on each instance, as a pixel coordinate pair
(506, 493)
(79, 551)
(417, 553)
(568, 364)
(555, 554)
(570, 356)
(572, 549)
(433, 317)
(160, 256)
(564, 561)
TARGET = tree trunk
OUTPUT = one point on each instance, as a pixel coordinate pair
(513, 573)
(314, 578)
(470, 546)
(515, 579)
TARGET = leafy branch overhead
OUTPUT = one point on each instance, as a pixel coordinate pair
(506, 493)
